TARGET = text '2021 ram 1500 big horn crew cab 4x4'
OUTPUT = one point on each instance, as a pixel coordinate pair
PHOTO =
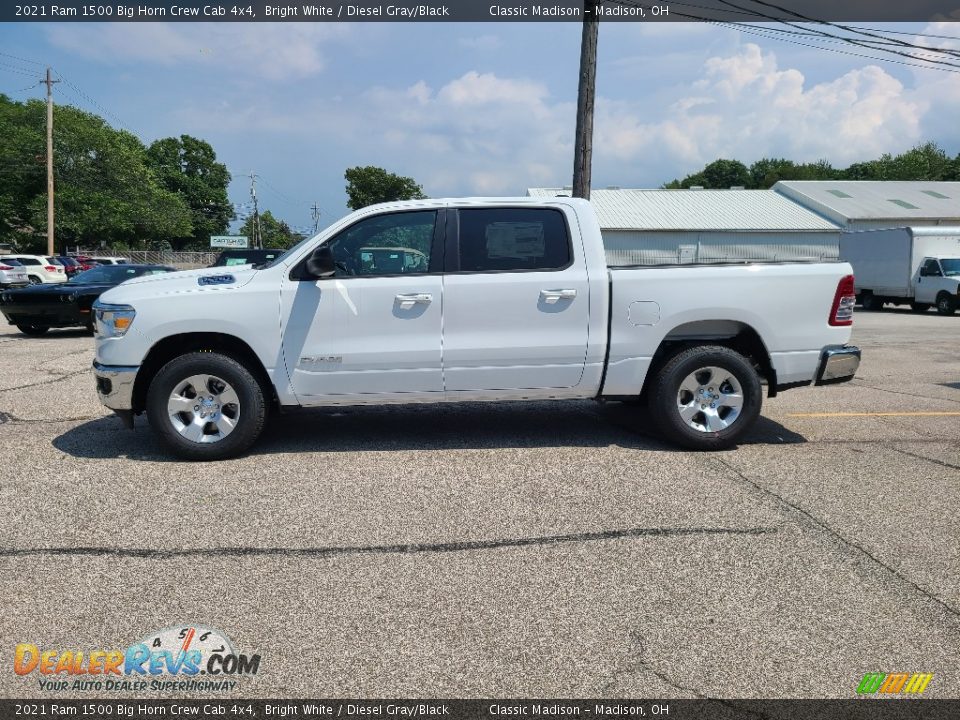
(476, 299)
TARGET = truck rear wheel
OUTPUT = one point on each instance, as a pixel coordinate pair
(33, 330)
(869, 301)
(946, 304)
(206, 406)
(706, 397)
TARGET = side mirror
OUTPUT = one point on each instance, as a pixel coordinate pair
(320, 264)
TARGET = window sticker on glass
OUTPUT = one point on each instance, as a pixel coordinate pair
(515, 240)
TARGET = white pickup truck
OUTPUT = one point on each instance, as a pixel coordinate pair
(471, 299)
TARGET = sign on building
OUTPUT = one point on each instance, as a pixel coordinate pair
(229, 241)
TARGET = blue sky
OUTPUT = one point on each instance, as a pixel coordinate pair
(480, 109)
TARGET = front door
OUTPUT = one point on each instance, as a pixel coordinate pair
(373, 330)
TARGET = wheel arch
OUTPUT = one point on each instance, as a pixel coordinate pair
(173, 346)
(734, 334)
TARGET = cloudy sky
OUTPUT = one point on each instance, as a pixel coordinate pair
(481, 109)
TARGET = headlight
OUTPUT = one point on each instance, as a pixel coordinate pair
(113, 320)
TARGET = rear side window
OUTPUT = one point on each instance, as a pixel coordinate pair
(511, 239)
(29, 261)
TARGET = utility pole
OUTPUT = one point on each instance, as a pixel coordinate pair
(583, 148)
(257, 236)
(315, 214)
(49, 82)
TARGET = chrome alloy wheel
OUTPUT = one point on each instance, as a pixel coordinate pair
(710, 399)
(203, 408)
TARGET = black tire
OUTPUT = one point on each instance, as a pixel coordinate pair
(33, 330)
(34, 280)
(252, 407)
(920, 307)
(870, 302)
(665, 393)
(946, 304)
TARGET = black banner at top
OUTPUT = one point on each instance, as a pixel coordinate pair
(724, 11)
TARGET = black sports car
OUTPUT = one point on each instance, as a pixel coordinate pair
(37, 308)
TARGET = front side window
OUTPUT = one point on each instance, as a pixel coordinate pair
(395, 244)
(932, 267)
(510, 239)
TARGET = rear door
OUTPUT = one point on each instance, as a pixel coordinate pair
(516, 301)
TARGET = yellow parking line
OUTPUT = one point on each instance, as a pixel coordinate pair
(877, 414)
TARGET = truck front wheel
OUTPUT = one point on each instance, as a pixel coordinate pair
(946, 304)
(206, 406)
(706, 397)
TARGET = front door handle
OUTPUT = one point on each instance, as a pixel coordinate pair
(552, 296)
(407, 301)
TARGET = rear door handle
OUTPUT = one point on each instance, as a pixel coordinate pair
(552, 296)
(407, 301)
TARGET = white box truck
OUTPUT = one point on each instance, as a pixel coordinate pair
(919, 266)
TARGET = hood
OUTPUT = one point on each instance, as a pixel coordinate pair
(204, 280)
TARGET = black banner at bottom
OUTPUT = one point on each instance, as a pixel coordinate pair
(859, 709)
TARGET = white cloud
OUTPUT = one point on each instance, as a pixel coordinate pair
(482, 133)
(272, 51)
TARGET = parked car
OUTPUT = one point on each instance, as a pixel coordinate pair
(246, 257)
(70, 265)
(34, 310)
(12, 274)
(85, 261)
(40, 269)
(516, 303)
(919, 266)
(109, 260)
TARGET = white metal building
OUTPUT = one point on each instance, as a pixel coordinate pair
(653, 227)
(872, 204)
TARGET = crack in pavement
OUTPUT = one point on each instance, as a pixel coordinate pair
(57, 379)
(898, 392)
(639, 663)
(822, 526)
(928, 459)
(11, 419)
(400, 549)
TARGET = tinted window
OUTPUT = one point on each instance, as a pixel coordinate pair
(385, 245)
(507, 239)
(28, 261)
(931, 267)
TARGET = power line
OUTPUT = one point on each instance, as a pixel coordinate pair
(22, 59)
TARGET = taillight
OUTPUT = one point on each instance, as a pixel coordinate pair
(841, 313)
(5, 267)
(49, 268)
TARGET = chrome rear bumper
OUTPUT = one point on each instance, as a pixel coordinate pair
(838, 363)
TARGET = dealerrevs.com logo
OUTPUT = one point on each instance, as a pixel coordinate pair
(188, 658)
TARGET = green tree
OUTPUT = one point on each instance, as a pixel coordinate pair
(369, 185)
(105, 192)
(275, 233)
(721, 174)
(188, 167)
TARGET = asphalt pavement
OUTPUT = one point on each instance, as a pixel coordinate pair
(510, 550)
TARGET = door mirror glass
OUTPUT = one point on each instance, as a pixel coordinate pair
(320, 263)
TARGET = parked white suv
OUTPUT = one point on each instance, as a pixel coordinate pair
(111, 260)
(40, 269)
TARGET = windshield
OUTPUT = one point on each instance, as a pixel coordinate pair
(113, 274)
(951, 266)
(286, 254)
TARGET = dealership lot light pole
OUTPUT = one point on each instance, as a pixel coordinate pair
(583, 149)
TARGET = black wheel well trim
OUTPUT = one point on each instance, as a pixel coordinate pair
(174, 346)
(746, 341)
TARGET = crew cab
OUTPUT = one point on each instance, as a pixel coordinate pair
(478, 299)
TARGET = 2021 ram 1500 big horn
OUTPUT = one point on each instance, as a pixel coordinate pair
(476, 299)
